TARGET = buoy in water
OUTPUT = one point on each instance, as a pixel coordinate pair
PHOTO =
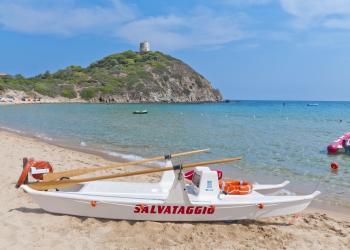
(334, 166)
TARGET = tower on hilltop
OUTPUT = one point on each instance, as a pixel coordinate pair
(145, 47)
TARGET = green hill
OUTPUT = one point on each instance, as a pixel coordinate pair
(125, 77)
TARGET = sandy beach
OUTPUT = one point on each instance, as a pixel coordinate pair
(25, 225)
(10, 97)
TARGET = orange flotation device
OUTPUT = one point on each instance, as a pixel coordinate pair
(27, 164)
(334, 166)
(24, 175)
(236, 187)
(41, 165)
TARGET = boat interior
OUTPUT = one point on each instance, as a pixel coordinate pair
(160, 190)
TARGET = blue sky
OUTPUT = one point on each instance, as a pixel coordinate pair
(249, 49)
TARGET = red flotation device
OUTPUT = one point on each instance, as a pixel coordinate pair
(40, 168)
(334, 166)
(189, 175)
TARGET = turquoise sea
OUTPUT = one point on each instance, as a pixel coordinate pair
(276, 141)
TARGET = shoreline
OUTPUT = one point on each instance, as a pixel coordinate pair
(317, 206)
(80, 101)
(69, 147)
(16, 97)
(82, 149)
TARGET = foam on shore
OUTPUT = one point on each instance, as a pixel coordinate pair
(131, 157)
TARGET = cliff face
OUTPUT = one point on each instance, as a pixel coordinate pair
(123, 77)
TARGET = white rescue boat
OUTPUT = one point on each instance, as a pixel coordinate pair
(171, 199)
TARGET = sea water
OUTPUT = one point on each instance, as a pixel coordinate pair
(283, 140)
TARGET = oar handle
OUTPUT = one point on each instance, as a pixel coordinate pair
(186, 153)
(206, 163)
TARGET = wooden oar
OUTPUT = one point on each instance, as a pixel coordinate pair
(69, 182)
(82, 171)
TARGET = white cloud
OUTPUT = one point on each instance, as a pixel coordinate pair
(61, 17)
(324, 13)
(202, 27)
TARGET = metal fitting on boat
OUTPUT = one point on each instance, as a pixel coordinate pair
(93, 203)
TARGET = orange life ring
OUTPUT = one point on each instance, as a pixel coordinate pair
(236, 187)
(24, 173)
(41, 165)
(26, 169)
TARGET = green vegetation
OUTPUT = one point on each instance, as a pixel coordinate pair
(88, 93)
(69, 92)
(115, 74)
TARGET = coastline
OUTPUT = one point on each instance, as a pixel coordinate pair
(26, 225)
(16, 97)
(81, 101)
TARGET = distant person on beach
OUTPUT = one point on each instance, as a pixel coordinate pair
(346, 146)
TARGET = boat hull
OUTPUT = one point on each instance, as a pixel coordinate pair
(160, 210)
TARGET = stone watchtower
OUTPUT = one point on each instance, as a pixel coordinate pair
(145, 47)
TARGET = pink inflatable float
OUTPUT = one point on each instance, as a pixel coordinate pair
(337, 145)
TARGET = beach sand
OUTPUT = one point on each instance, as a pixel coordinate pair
(25, 226)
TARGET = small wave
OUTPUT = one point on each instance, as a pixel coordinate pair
(12, 130)
(43, 136)
(285, 192)
(83, 144)
(131, 157)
